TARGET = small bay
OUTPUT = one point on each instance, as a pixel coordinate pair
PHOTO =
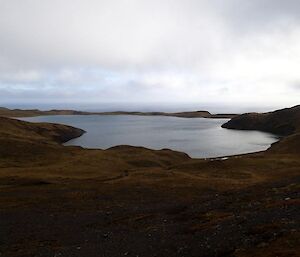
(198, 137)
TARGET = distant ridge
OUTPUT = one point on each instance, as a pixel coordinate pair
(5, 112)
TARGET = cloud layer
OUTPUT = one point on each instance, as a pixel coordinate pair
(96, 51)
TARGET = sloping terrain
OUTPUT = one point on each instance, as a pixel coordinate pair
(285, 122)
(133, 201)
(23, 141)
(282, 122)
(46, 132)
(290, 144)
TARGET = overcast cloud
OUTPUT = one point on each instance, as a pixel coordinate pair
(200, 51)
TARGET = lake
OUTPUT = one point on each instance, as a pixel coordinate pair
(198, 137)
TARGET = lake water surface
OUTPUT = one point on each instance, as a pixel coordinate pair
(197, 137)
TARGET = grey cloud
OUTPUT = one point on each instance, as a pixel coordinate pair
(118, 34)
(139, 48)
(295, 85)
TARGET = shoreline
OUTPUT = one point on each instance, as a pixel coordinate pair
(153, 149)
(233, 123)
(239, 122)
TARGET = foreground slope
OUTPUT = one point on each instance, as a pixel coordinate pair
(132, 201)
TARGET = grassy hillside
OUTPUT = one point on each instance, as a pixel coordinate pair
(285, 122)
(46, 132)
(282, 122)
(133, 201)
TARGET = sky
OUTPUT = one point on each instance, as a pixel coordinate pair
(203, 52)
